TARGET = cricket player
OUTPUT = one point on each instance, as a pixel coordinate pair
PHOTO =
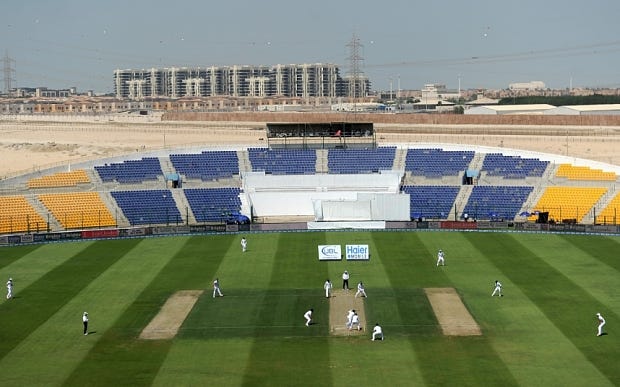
(244, 244)
(216, 288)
(377, 332)
(440, 258)
(360, 290)
(345, 280)
(497, 289)
(328, 288)
(308, 317)
(355, 322)
(350, 317)
(85, 323)
(601, 324)
(9, 289)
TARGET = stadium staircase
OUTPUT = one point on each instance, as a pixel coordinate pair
(399, 159)
(460, 201)
(183, 205)
(43, 211)
(322, 161)
(244, 162)
(600, 205)
(110, 203)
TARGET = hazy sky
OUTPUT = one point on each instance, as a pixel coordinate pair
(487, 44)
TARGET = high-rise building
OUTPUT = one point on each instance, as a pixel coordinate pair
(294, 80)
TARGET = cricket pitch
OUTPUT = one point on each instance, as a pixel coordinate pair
(453, 317)
(169, 319)
(340, 303)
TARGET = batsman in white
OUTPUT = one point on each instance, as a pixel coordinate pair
(328, 287)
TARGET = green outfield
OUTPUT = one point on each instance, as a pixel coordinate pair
(541, 333)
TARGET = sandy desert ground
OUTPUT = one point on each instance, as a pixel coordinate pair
(28, 146)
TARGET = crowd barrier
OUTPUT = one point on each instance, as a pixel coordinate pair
(134, 232)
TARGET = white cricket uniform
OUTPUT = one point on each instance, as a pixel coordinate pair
(498, 289)
(355, 322)
(328, 288)
(377, 333)
(216, 289)
(601, 324)
(440, 258)
(350, 318)
(244, 245)
(9, 289)
(360, 290)
(308, 317)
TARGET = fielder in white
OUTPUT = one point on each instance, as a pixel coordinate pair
(377, 332)
(497, 289)
(9, 289)
(601, 324)
(350, 318)
(308, 317)
(360, 290)
(216, 288)
(328, 288)
(440, 258)
(244, 244)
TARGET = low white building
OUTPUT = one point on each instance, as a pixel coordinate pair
(585, 110)
(510, 109)
(532, 85)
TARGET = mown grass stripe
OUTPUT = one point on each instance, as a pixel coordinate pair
(36, 263)
(105, 298)
(420, 271)
(136, 362)
(243, 277)
(602, 248)
(513, 324)
(10, 255)
(293, 360)
(556, 296)
(41, 300)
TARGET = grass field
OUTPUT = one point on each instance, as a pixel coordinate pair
(541, 333)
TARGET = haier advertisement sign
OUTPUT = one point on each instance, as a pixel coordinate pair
(357, 253)
(330, 253)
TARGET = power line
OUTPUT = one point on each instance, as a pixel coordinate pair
(8, 70)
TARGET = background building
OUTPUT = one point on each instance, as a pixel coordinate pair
(294, 80)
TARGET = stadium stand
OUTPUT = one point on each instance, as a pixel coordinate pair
(432, 202)
(568, 204)
(572, 172)
(208, 165)
(148, 206)
(354, 161)
(512, 167)
(17, 215)
(77, 210)
(611, 212)
(61, 179)
(433, 163)
(130, 171)
(496, 202)
(213, 204)
(283, 161)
